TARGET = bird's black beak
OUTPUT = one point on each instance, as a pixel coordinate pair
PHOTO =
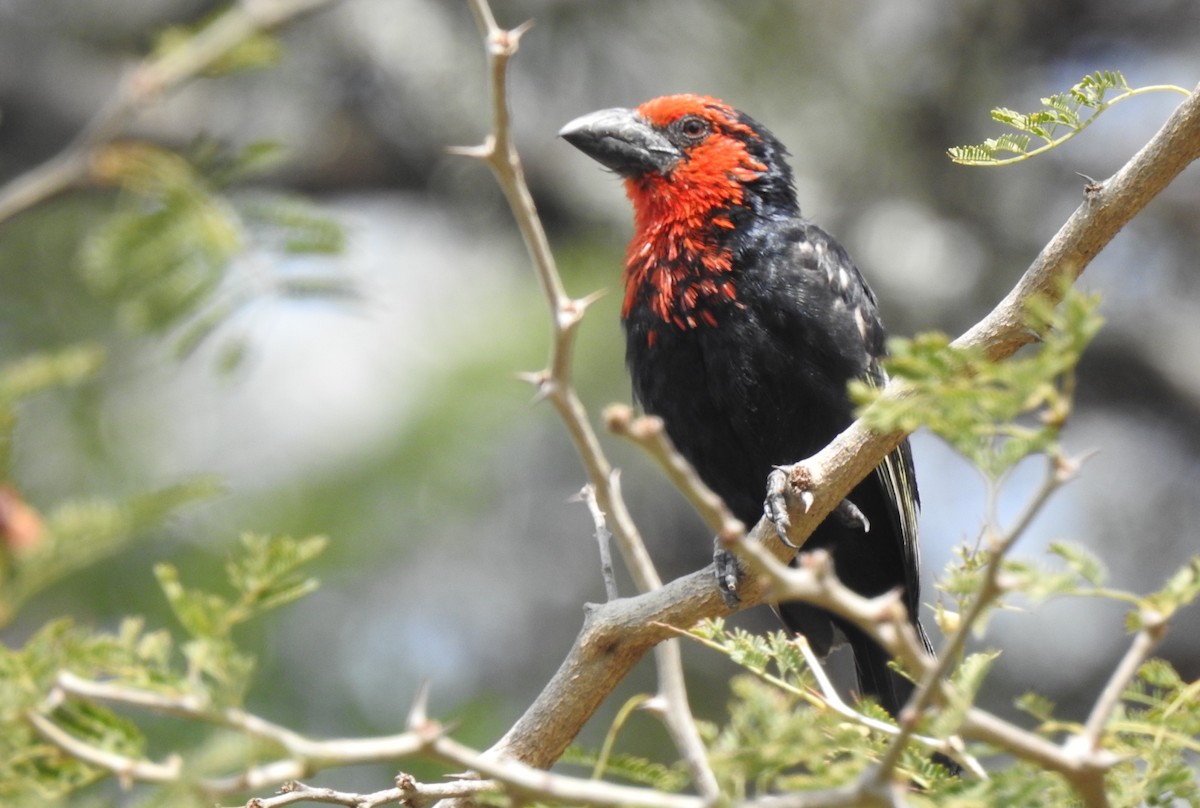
(622, 140)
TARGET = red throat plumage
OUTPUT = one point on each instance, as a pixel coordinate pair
(676, 258)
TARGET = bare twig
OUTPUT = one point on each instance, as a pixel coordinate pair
(422, 737)
(526, 782)
(671, 704)
(554, 383)
(522, 781)
(303, 755)
(1085, 773)
(603, 541)
(1154, 628)
(127, 769)
(153, 78)
(647, 432)
(933, 679)
(407, 791)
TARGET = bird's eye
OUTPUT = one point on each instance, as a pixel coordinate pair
(692, 127)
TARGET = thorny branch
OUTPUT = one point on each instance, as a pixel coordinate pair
(152, 79)
(603, 541)
(407, 791)
(554, 383)
(647, 431)
(1154, 628)
(303, 755)
(932, 678)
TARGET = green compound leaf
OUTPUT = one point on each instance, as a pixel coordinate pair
(1061, 117)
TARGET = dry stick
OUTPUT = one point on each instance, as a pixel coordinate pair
(617, 634)
(149, 81)
(554, 383)
(127, 769)
(304, 755)
(1154, 628)
(412, 794)
(603, 541)
(936, 669)
(648, 432)
(524, 782)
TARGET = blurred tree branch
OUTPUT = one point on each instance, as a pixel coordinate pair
(154, 77)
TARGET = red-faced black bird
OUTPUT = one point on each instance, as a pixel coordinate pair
(744, 323)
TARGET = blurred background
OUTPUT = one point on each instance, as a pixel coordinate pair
(392, 420)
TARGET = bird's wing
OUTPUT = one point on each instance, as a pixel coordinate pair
(896, 472)
(899, 480)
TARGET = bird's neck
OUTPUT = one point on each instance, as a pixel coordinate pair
(679, 266)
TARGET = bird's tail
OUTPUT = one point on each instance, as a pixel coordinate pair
(875, 677)
(888, 687)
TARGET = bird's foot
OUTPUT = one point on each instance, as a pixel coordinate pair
(849, 515)
(780, 492)
(729, 574)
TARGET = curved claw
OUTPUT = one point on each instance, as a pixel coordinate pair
(776, 503)
(779, 490)
(729, 575)
(850, 516)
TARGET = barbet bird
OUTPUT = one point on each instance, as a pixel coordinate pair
(744, 323)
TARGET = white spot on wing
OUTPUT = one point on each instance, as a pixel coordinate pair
(861, 321)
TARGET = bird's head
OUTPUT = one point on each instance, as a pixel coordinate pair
(700, 175)
(685, 155)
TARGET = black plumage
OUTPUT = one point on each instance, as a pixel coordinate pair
(744, 324)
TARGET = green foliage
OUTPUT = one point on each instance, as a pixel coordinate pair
(163, 256)
(78, 533)
(265, 577)
(33, 769)
(994, 413)
(962, 579)
(265, 574)
(768, 745)
(34, 374)
(1060, 118)
(1181, 590)
(781, 737)
(781, 734)
(44, 371)
(631, 769)
(38, 549)
(1155, 734)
